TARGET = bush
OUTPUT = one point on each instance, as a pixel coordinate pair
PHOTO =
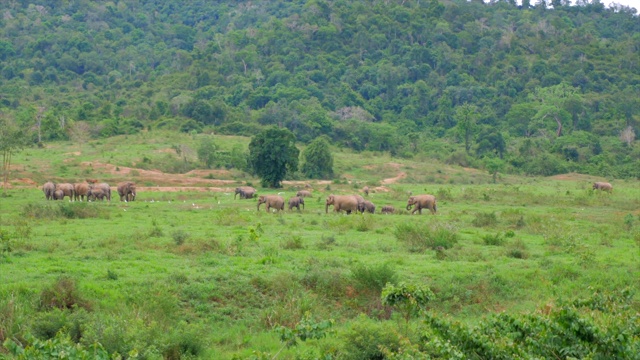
(485, 219)
(517, 250)
(493, 240)
(365, 338)
(180, 236)
(62, 295)
(373, 278)
(73, 210)
(420, 237)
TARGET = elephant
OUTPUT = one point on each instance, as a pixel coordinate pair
(422, 202)
(246, 192)
(360, 200)
(388, 209)
(295, 202)
(304, 193)
(95, 194)
(127, 191)
(604, 186)
(271, 201)
(348, 203)
(81, 190)
(106, 189)
(366, 190)
(49, 189)
(367, 206)
(58, 195)
(67, 190)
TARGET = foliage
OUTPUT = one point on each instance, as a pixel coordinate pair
(207, 152)
(365, 340)
(272, 155)
(59, 347)
(359, 72)
(420, 237)
(409, 299)
(373, 278)
(317, 159)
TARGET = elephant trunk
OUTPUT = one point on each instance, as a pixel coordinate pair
(326, 208)
(409, 206)
(259, 206)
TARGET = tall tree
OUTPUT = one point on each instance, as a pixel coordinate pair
(273, 153)
(466, 117)
(207, 151)
(318, 161)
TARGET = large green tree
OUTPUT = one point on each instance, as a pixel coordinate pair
(272, 154)
(318, 161)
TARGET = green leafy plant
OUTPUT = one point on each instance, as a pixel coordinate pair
(409, 299)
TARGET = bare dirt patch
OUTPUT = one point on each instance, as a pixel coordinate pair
(394, 179)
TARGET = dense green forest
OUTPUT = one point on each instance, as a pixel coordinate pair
(541, 88)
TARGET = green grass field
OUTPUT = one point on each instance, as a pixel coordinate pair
(197, 274)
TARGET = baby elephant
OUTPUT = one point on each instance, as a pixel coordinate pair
(58, 195)
(295, 202)
(604, 186)
(96, 194)
(367, 206)
(388, 209)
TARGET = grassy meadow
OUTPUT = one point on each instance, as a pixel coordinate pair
(193, 273)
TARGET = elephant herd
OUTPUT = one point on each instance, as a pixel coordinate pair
(347, 203)
(89, 191)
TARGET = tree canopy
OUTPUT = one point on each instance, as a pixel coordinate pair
(273, 154)
(317, 159)
(367, 74)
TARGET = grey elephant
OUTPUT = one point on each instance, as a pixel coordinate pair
(295, 202)
(246, 192)
(366, 190)
(127, 191)
(80, 191)
(360, 200)
(604, 186)
(304, 193)
(58, 195)
(367, 206)
(422, 202)
(48, 189)
(388, 209)
(271, 201)
(67, 190)
(106, 189)
(94, 194)
(347, 203)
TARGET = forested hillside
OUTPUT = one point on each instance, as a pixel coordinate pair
(537, 89)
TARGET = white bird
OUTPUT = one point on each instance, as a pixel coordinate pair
(218, 202)
(124, 209)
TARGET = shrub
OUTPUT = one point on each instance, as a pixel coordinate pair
(517, 250)
(330, 283)
(485, 219)
(61, 345)
(293, 243)
(373, 278)
(62, 295)
(493, 240)
(183, 344)
(180, 236)
(419, 237)
(365, 339)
